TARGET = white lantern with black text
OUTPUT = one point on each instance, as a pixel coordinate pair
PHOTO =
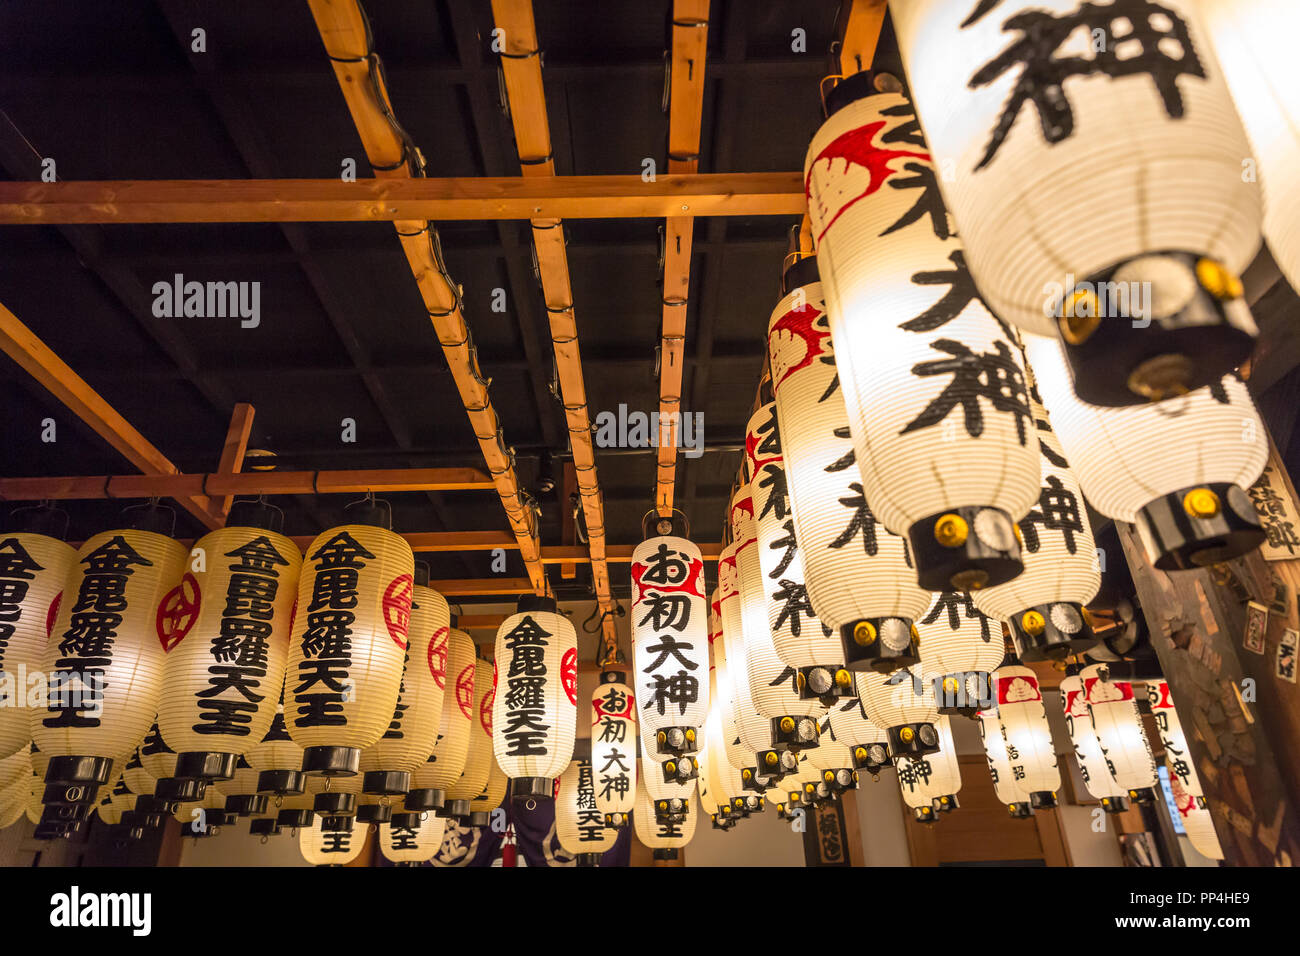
(444, 764)
(903, 705)
(960, 648)
(1097, 779)
(410, 839)
(666, 837)
(479, 757)
(321, 847)
(1183, 779)
(613, 748)
(930, 782)
(1118, 726)
(1030, 751)
(849, 724)
(1009, 790)
(579, 826)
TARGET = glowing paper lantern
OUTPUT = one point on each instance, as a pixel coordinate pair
(104, 659)
(613, 748)
(903, 704)
(535, 712)
(410, 839)
(225, 628)
(1183, 779)
(321, 847)
(478, 759)
(482, 806)
(445, 763)
(1044, 606)
(277, 758)
(849, 724)
(348, 644)
(666, 837)
(413, 730)
(930, 783)
(1030, 752)
(1006, 786)
(670, 639)
(1189, 500)
(960, 647)
(1032, 106)
(834, 760)
(579, 825)
(1118, 726)
(934, 385)
(33, 569)
(860, 578)
(1092, 762)
(747, 733)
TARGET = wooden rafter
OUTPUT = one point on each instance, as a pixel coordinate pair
(521, 65)
(861, 34)
(232, 452)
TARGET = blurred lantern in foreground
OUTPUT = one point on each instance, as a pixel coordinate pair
(903, 705)
(1189, 501)
(861, 581)
(578, 824)
(930, 783)
(670, 637)
(1118, 726)
(104, 660)
(482, 806)
(1030, 106)
(934, 385)
(410, 839)
(534, 716)
(664, 838)
(321, 847)
(613, 748)
(227, 626)
(413, 730)
(1044, 606)
(349, 640)
(443, 766)
(1008, 788)
(1183, 779)
(1030, 753)
(960, 647)
(1251, 39)
(849, 724)
(34, 564)
(478, 759)
(1096, 775)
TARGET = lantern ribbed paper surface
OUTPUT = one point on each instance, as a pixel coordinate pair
(666, 835)
(1030, 752)
(415, 839)
(493, 793)
(851, 726)
(830, 752)
(104, 661)
(1251, 39)
(579, 825)
(746, 731)
(1009, 790)
(1183, 779)
(855, 569)
(934, 385)
(933, 777)
(478, 759)
(798, 638)
(33, 570)
(413, 730)
(1033, 107)
(670, 637)
(349, 638)
(957, 640)
(446, 761)
(276, 750)
(535, 714)
(330, 847)
(1118, 726)
(903, 697)
(15, 767)
(613, 747)
(1078, 723)
(225, 628)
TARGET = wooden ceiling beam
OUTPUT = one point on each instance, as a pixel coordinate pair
(861, 34)
(543, 197)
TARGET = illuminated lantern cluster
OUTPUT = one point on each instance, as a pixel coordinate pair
(579, 825)
(1096, 774)
(934, 385)
(1183, 779)
(930, 782)
(860, 578)
(1029, 106)
(1030, 753)
(478, 759)
(613, 748)
(1120, 737)
(960, 647)
(432, 779)
(1008, 788)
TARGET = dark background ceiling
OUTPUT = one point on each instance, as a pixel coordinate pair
(113, 91)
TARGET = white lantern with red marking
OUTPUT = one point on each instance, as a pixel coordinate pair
(930, 782)
(1030, 752)
(613, 748)
(349, 643)
(444, 764)
(535, 713)
(670, 640)
(478, 760)
(1030, 105)
(1183, 779)
(1006, 786)
(1097, 779)
(579, 823)
(860, 578)
(934, 384)
(960, 648)
(1118, 726)
(665, 838)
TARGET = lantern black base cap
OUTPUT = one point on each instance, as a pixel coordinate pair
(86, 771)
(1127, 359)
(677, 740)
(426, 798)
(750, 780)
(1019, 811)
(865, 759)
(375, 813)
(850, 90)
(221, 818)
(946, 803)
(332, 823)
(52, 831)
(335, 804)
(803, 271)
(1144, 795)
(1176, 540)
(144, 820)
(984, 555)
(69, 795)
(880, 644)
(64, 812)
(924, 814)
(1042, 799)
(387, 783)
(457, 809)
(1114, 804)
(524, 788)
(247, 804)
(205, 765)
(280, 782)
(532, 603)
(587, 859)
(972, 693)
(180, 789)
(403, 818)
(1050, 631)
(264, 826)
(683, 769)
(479, 818)
(295, 819)
(331, 761)
(615, 820)
(913, 740)
(658, 526)
(665, 853)
(154, 804)
(795, 732)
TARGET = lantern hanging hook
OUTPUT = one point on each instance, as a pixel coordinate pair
(265, 839)
(531, 804)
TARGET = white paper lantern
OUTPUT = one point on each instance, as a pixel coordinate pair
(960, 647)
(1030, 752)
(535, 712)
(1044, 606)
(410, 839)
(930, 783)
(478, 759)
(33, 569)
(665, 838)
(579, 825)
(834, 759)
(903, 705)
(860, 577)
(1031, 108)
(1118, 726)
(277, 758)
(934, 385)
(849, 724)
(348, 645)
(1009, 789)
(1177, 468)
(613, 748)
(321, 847)
(482, 806)
(670, 641)
(1097, 779)
(1183, 779)
(443, 766)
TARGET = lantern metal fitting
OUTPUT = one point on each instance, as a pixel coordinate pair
(839, 779)
(1051, 631)
(456, 810)
(205, 765)
(181, 789)
(666, 854)
(1199, 526)
(1019, 810)
(964, 694)
(872, 757)
(334, 803)
(882, 644)
(946, 803)
(1115, 804)
(247, 804)
(913, 740)
(331, 761)
(924, 814)
(825, 683)
(143, 820)
(375, 813)
(1042, 799)
(675, 741)
(532, 788)
(264, 826)
(91, 772)
(965, 549)
(795, 732)
(282, 783)
(616, 820)
(429, 798)
(670, 810)
(337, 824)
(295, 819)
(587, 859)
(680, 770)
(1145, 795)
